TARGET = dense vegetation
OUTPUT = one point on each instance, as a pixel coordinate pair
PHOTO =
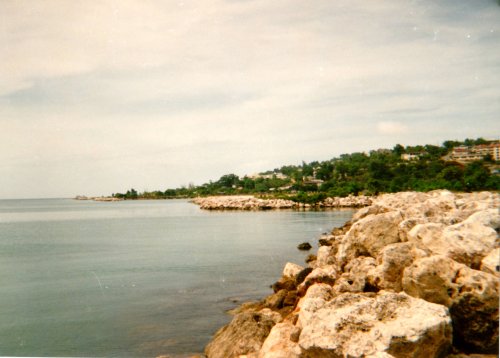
(382, 170)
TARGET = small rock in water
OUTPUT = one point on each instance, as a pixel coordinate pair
(304, 246)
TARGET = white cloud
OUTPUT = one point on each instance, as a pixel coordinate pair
(386, 127)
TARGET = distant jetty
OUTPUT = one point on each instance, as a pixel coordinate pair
(249, 202)
(97, 198)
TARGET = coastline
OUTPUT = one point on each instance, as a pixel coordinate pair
(250, 202)
(432, 258)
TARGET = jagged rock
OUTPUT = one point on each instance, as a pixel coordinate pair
(311, 259)
(354, 278)
(304, 246)
(285, 283)
(358, 325)
(316, 296)
(467, 242)
(406, 225)
(369, 235)
(245, 334)
(491, 263)
(473, 202)
(326, 255)
(369, 210)
(281, 342)
(325, 274)
(275, 301)
(290, 298)
(391, 261)
(301, 276)
(291, 270)
(340, 231)
(471, 295)
(325, 240)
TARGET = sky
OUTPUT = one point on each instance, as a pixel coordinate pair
(97, 97)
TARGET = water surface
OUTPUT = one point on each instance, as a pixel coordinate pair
(136, 278)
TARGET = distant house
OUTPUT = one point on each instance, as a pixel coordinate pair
(476, 152)
(277, 175)
(410, 156)
(312, 181)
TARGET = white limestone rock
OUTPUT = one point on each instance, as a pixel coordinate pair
(359, 325)
(467, 242)
(471, 295)
(291, 270)
(326, 255)
(281, 342)
(369, 235)
(244, 335)
(392, 260)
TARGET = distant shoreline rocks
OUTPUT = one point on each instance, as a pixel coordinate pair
(249, 202)
(97, 198)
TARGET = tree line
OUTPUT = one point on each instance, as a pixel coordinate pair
(379, 171)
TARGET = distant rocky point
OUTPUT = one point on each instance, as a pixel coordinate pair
(249, 202)
(411, 275)
(97, 198)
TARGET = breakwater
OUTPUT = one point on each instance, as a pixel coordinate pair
(411, 275)
(249, 202)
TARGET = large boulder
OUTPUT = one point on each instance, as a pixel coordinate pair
(369, 235)
(292, 270)
(359, 325)
(326, 274)
(281, 342)
(316, 297)
(471, 295)
(467, 242)
(245, 334)
(391, 262)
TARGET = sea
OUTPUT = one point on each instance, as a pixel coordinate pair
(137, 278)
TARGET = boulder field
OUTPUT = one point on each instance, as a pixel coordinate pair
(411, 275)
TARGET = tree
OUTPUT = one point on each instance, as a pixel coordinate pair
(450, 144)
(131, 194)
(307, 169)
(476, 176)
(228, 181)
(398, 150)
(480, 140)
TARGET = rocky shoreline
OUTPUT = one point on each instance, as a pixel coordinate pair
(411, 275)
(249, 202)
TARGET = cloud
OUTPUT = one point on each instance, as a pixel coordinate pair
(163, 93)
(390, 128)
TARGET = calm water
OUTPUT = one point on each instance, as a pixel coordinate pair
(136, 278)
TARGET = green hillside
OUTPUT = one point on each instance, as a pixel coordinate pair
(457, 166)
